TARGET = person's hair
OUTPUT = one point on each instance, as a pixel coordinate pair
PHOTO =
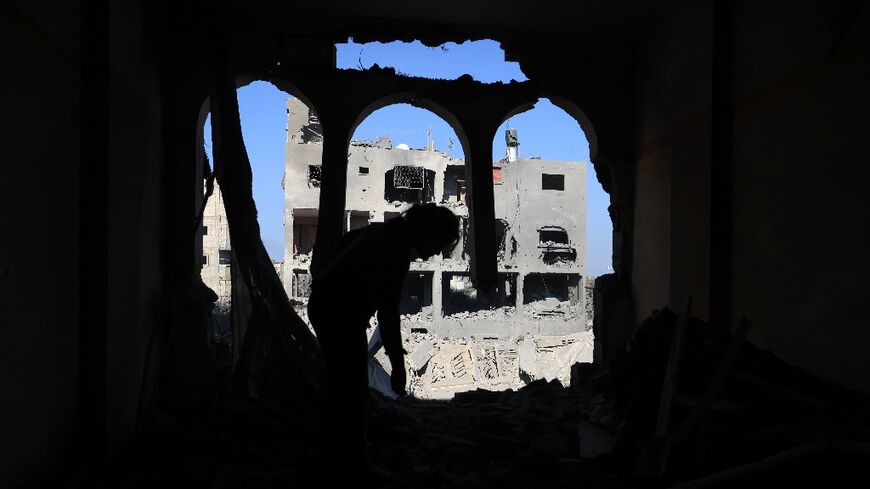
(430, 223)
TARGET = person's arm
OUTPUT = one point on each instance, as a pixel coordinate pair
(391, 332)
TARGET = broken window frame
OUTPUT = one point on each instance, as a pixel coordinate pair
(553, 252)
(406, 177)
(409, 194)
(571, 280)
(504, 294)
(454, 177)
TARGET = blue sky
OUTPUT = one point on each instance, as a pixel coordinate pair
(545, 131)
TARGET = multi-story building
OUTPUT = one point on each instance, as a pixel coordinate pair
(541, 230)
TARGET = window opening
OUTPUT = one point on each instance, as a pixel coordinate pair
(409, 184)
(304, 232)
(552, 182)
(417, 295)
(553, 294)
(314, 173)
(454, 184)
(555, 245)
(357, 219)
(461, 298)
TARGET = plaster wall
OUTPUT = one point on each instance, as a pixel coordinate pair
(39, 247)
(671, 247)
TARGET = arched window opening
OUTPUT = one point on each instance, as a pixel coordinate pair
(264, 110)
(394, 165)
(542, 180)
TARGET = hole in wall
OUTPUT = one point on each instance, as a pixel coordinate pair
(483, 60)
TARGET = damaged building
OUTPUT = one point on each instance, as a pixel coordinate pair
(730, 136)
(540, 231)
(540, 297)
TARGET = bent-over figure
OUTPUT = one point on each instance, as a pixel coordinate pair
(365, 276)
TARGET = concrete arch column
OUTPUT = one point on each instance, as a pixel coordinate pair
(481, 207)
(337, 125)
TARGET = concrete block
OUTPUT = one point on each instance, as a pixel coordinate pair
(421, 355)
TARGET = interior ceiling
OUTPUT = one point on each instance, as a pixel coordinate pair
(438, 22)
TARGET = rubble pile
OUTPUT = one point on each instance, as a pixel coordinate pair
(528, 437)
(689, 400)
(766, 424)
(423, 316)
(438, 368)
(733, 416)
(499, 313)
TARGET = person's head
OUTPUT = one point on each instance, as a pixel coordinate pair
(431, 228)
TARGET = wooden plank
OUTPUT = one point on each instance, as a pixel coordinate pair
(672, 372)
(714, 387)
(654, 456)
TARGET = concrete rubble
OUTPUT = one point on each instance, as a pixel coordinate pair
(439, 368)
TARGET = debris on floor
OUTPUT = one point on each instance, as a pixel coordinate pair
(738, 417)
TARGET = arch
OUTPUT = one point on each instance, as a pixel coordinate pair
(585, 123)
(243, 81)
(416, 101)
(281, 84)
(598, 245)
(570, 108)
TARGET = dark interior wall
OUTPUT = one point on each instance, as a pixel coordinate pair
(671, 257)
(59, 372)
(801, 172)
(39, 249)
(135, 293)
(800, 77)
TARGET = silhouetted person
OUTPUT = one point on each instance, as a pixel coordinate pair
(366, 275)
